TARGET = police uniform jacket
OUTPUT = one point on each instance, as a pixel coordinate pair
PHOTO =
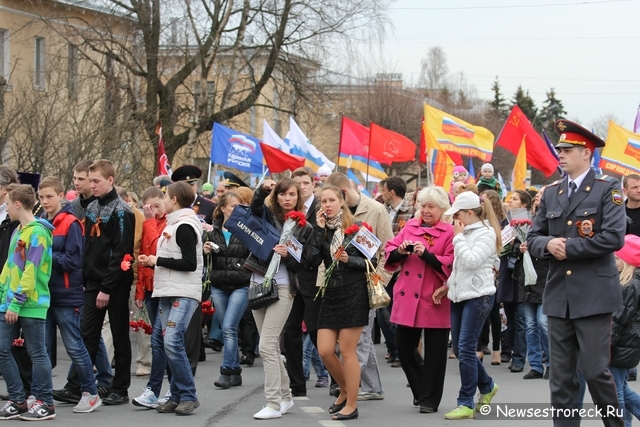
(204, 209)
(586, 283)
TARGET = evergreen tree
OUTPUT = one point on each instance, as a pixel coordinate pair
(523, 100)
(499, 107)
(552, 110)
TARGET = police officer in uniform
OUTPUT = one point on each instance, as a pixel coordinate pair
(579, 224)
(231, 181)
(202, 207)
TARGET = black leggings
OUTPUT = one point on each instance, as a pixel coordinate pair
(495, 323)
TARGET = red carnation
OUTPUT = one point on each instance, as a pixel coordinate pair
(125, 265)
(352, 230)
(367, 226)
(298, 217)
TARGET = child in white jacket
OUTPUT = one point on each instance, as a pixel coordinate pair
(476, 244)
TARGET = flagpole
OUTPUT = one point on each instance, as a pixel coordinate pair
(209, 171)
(339, 143)
(366, 180)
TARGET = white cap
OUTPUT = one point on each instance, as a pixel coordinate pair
(465, 200)
(324, 171)
(487, 166)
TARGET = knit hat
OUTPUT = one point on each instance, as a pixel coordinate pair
(488, 166)
(207, 186)
(630, 252)
(324, 171)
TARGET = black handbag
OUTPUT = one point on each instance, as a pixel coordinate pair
(262, 296)
(257, 234)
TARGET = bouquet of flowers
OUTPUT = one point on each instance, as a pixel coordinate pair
(291, 220)
(140, 320)
(520, 221)
(127, 262)
(207, 308)
(349, 234)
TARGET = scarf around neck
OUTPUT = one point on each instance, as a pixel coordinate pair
(335, 224)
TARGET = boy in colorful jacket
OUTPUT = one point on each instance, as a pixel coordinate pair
(24, 301)
(65, 285)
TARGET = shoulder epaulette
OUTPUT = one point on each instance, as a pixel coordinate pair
(600, 177)
(554, 183)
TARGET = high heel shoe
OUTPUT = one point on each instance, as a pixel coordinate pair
(335, 408)
(495, 358)
(342, 417)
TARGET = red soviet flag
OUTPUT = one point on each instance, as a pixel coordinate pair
(388, 147)
(279, 161)
(518, 130)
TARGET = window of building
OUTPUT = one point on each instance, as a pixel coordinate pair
(72, 72)
(211, 94)
(39, 62)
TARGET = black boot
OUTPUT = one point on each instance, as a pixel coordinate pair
(236, 380)
(223, 382)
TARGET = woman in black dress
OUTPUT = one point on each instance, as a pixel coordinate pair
(344, 309)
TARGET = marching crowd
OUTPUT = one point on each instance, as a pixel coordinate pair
(462, 275)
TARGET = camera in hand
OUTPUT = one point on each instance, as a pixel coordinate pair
(214, 248)
(410, 248)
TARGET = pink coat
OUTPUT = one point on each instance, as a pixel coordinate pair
(417, 281)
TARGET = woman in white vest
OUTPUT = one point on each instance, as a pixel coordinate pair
(178, 284)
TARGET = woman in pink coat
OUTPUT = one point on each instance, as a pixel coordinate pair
(423, 254)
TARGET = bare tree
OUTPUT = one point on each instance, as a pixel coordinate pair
(435, 70)
(234, 49)
(600, 125)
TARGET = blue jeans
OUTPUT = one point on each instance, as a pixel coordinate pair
(158, 356)
(175, 314)
(310, 357)
(467, 320)
(230, 306)
(34, 332)
(537, 338)
(627, 398)
(67, 319)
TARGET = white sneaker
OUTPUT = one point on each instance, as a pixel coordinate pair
(267, 413)
(165, 399)
(285, 405)
(88, 403)
(147, 399)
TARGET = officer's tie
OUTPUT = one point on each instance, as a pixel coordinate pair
(572, 189)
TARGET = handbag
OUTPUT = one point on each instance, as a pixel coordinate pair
(378, 296)
(255, 233)
(262, 296)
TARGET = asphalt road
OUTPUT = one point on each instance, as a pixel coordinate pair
(234, 407)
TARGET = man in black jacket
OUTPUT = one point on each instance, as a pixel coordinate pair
(109, 235)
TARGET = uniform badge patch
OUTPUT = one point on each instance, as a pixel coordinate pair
(585, 228)
(617, 197)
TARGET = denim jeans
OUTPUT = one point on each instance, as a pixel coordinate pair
(627, 398)
(310, 357)
(34, 332)
(230, 306)
(175, 314)
(517, 332)
(467, 320)
(158, 356)
(67, 319)
(537, 338)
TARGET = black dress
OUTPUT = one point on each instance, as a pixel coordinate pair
(345, 303)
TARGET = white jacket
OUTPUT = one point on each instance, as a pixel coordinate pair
(174, 283)
(474, 254)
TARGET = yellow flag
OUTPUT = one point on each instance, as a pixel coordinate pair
(621, 155)
(454, 134)
(439, 162)
(520, 168)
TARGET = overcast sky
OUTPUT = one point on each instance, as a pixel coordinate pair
(589, 51)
